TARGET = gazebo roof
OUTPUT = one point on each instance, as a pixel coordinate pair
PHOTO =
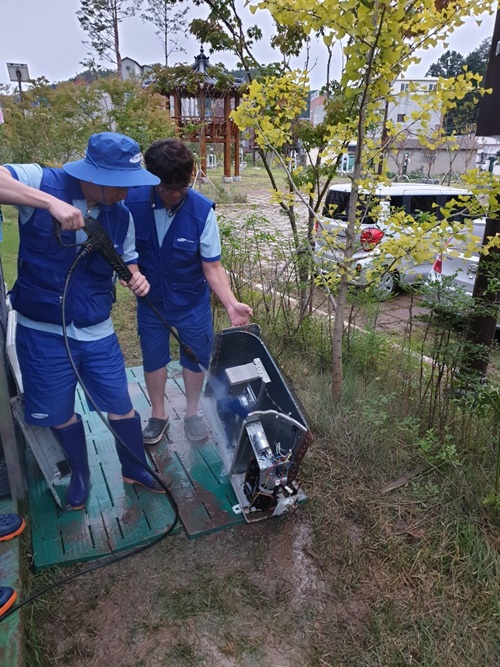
(186, 81)
(201, 66)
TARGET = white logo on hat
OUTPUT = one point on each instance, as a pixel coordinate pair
(136, 158)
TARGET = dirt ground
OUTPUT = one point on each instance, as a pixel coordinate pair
(255, 595)
(217, 601)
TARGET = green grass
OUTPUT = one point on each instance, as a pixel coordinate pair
(9, 244)
(415, 572)
(183, 654)
(238, 192)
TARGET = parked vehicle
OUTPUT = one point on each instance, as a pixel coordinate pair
(454, 271)
(453, 264)
(375, 209)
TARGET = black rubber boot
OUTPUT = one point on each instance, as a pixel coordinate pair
(73, 443)
(130, 431)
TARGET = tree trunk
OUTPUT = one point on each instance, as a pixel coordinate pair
(165, 36)
(337, 336)
(119, 70)
(338, 325)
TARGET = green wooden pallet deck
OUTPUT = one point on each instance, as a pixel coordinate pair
(118, 516)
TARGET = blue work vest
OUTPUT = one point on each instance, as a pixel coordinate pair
(174, 271)
(43, 264)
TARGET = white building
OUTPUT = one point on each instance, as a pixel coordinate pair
(406, 154)
(132, 70)
(316, 107)
(409, 94)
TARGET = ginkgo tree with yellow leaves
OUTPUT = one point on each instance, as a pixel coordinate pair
(380, 40)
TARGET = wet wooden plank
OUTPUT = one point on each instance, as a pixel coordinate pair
(198, 479)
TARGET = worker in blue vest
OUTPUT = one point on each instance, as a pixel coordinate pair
(178, 242)
(94, 186)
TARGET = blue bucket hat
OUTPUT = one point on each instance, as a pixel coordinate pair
(113, 160)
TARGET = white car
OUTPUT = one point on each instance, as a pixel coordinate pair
(414, 199)
(454, 264)
(455, 270)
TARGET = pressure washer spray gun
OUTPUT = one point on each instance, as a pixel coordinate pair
(100, 241)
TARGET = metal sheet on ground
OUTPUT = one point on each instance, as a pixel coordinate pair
(119, 516)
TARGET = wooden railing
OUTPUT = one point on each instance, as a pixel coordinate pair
(215, 127)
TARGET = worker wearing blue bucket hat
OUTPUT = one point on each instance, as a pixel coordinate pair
(94, 185)
(111, 160)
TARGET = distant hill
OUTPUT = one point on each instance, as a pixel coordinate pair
(92, 75)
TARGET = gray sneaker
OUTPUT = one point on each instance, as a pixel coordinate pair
(196, 428)
(155, 430)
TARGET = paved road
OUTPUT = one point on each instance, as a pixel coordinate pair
(259, 205)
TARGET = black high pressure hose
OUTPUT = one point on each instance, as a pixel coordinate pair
(86, 249)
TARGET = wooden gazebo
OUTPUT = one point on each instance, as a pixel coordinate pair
(201, 108)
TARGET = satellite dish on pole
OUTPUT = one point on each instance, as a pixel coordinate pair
(19, 72)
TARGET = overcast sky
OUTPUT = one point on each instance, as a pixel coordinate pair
(46, 35)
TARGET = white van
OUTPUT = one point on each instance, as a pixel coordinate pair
(412, 198)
